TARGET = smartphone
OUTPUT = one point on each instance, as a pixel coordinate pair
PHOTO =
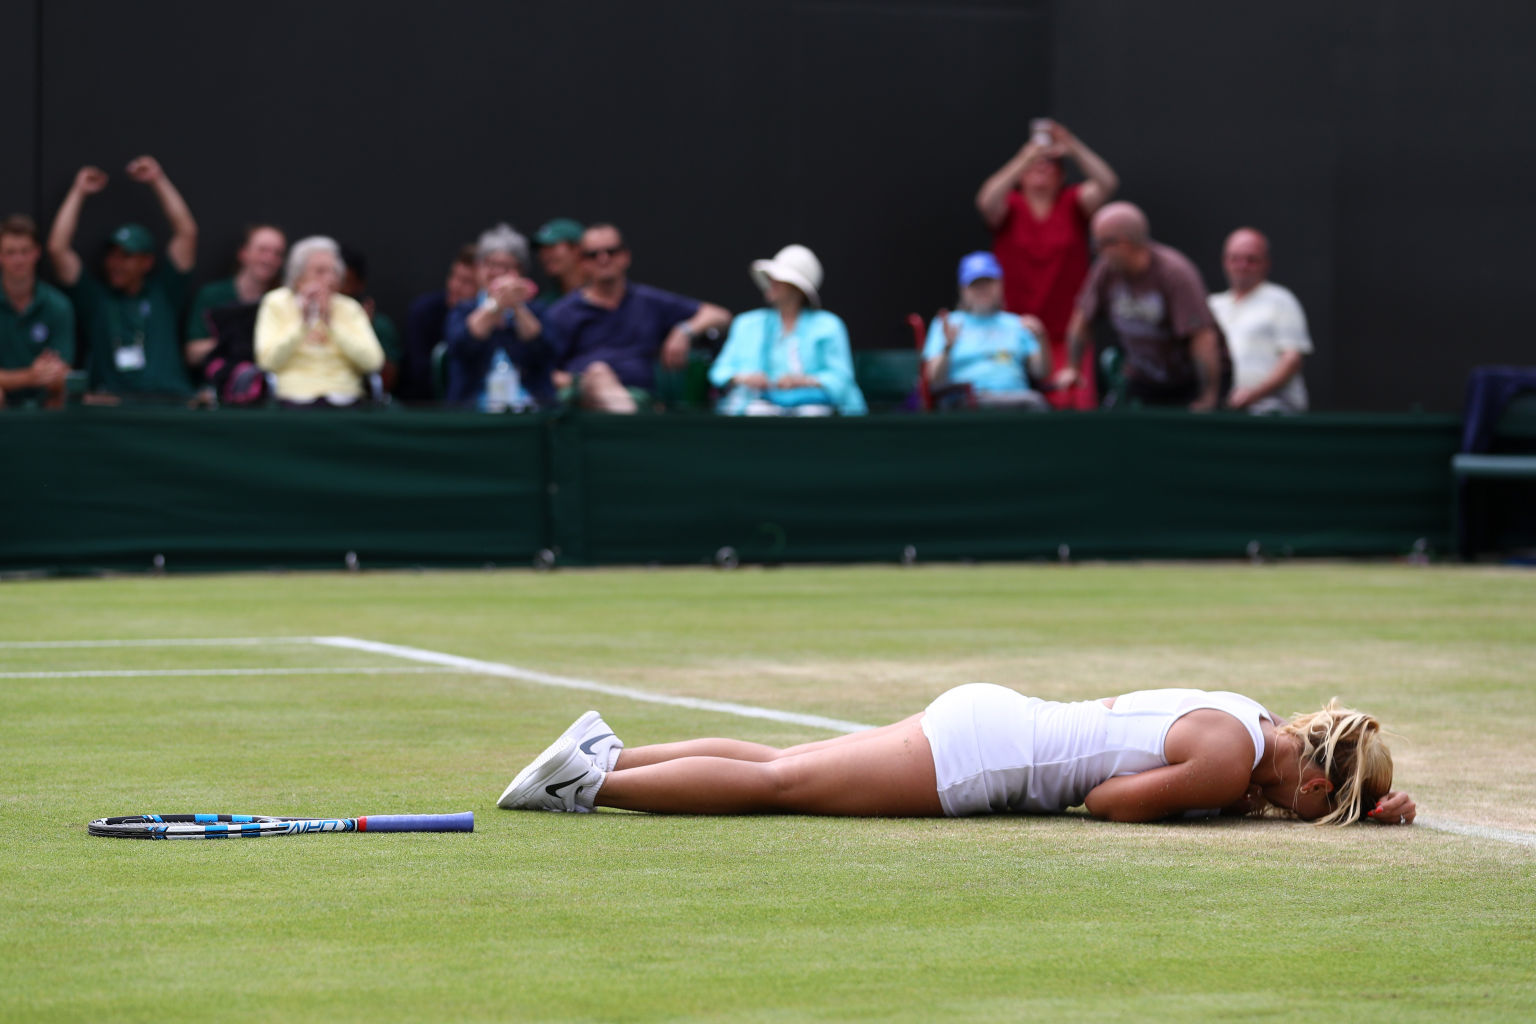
(1040, 131)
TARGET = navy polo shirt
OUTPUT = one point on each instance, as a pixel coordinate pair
(627, 338)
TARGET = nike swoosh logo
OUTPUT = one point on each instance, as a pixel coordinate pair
(554, 788)
(586, 748)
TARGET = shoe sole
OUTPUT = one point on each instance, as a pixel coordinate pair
(576, 728)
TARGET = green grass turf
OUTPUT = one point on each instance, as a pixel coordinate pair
(615, 917)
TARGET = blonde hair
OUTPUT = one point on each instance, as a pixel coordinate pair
(1347, 746)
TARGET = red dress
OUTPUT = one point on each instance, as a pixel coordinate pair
(1044, 265)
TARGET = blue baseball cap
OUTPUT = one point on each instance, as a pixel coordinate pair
(976, 265)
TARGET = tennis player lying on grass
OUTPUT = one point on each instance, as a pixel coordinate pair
(981, 749)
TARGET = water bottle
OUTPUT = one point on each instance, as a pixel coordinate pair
(503, 386)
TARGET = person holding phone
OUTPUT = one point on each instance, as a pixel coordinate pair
(1040, 237)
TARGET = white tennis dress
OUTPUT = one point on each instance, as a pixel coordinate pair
(996, 750)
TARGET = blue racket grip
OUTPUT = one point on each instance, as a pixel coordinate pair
(464, 821)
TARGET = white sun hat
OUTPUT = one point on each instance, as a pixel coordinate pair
(795, 265)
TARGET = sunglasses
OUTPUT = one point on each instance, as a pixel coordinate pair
(592, 254)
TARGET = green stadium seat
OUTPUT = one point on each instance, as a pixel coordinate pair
(886, 376)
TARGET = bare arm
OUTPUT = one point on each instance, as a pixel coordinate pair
(1196, 784)
(1288, 366)
(182, 248)
(1039, 363)
(992, 197)
(936, 370)
(1205, 347)
(1102, 181)
(708, 316)
(61, 239)
(674, 350)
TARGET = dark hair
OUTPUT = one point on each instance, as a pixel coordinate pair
(603, 225)
(251, 229)
(356, 262)
(20, 224)
(467, 256)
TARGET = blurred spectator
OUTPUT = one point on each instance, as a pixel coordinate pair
(130, 318)
(354, 284)
(259, 264)
(983, 348)
(608, 333)
(1265, 327)
(315, 340)
(1040, 235)
(498, 357)
(37, 323)
(1173, 350)
(559, 243)
(426, 324)
(792, 357)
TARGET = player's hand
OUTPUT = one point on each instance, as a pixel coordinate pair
(751, 380)
(146, 170)
(1393, 809)
(796, 380)
(90, 180)
(1066, 377)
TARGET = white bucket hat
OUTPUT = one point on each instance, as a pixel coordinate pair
(795, 265)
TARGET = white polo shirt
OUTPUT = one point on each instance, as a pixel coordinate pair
(1261, 327)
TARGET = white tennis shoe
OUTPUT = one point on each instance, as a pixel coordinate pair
(563, 778)
(596, 740)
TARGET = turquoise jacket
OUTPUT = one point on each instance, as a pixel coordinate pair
(757, 344)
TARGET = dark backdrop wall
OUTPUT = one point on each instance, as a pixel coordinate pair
(1380, 143)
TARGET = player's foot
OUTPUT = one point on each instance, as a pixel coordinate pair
(560, 779)
(596, 740)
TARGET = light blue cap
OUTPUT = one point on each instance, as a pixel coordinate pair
(976, 265)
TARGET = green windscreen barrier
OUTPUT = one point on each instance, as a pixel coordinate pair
(111, 489)
(107, 488)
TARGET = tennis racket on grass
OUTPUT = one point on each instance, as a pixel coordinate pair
(234, 826)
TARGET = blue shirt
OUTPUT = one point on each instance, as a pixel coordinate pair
(468, 360)
(818, 346)
(627, 338)
(989, 354)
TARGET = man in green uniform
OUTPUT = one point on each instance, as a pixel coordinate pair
(131, 315)
(37, 323)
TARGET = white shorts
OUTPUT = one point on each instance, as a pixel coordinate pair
(983, 749)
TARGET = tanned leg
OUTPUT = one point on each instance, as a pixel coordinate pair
(602, 391)
(735, 750)
(885, 772)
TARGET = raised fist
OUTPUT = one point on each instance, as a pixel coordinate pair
(146, 170)
(91, 180)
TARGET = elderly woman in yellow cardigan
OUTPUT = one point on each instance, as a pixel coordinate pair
(317, 342)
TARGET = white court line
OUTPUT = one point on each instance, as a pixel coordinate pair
(496, 668)
(135, 673)
(238, 641)
(1503, 835)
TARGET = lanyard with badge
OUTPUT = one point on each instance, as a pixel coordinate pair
(128, 344)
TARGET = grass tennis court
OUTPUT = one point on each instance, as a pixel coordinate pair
(616, 917)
